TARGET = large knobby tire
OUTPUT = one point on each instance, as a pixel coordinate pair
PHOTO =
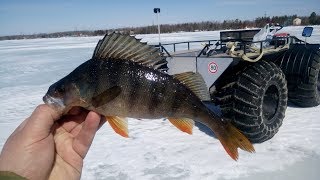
(301, 66)
(255, 100)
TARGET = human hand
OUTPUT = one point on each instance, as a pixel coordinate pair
(46, 146)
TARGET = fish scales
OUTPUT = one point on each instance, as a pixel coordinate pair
(147, 85)
(126, 78)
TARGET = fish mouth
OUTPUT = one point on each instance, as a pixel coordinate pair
(57, 103)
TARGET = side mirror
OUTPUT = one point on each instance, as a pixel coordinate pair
(307, 31)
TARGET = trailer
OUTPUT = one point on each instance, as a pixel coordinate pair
(252, 81)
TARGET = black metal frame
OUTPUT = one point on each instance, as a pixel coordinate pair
(242, 44)
(163, 49)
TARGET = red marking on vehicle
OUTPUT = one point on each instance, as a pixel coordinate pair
(212, 67)
(282, 35)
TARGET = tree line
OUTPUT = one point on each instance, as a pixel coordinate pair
(313, 19)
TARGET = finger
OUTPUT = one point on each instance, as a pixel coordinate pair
(69, 122)
(75, 110)
(41, 120)
(77, 129)
(83, 140)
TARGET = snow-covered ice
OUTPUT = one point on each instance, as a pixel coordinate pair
(155, 149)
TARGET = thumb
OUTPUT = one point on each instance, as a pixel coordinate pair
(41, 120)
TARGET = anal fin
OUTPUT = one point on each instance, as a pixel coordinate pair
(119, 125)
(184, 124)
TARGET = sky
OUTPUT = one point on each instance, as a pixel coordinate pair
(45, 16)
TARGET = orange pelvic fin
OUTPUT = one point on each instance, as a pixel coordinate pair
(231, 138)
(184, 124)
(119, 125)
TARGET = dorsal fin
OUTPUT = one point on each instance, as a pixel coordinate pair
(124, 47)
(195, 82)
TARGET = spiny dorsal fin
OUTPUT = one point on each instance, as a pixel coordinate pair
(124, 47)
(195, 83)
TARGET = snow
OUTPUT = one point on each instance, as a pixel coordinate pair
(155, 149)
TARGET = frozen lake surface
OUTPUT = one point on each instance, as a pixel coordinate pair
(155, 149)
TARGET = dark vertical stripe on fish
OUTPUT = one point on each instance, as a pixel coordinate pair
(126, 84)
(169, 96)
(135, 86)
(101, 72)
(114, 78)
(177, 100)
(157, 90)
(195, 109)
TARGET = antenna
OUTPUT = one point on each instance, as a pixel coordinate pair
(157, 11)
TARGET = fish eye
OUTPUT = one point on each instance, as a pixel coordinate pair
(61, 89)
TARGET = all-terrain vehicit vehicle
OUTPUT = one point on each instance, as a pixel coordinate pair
(252, 80)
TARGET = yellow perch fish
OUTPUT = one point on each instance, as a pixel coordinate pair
(124, 78)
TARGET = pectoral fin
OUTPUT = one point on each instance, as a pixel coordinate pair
(106, 96)
(119, 125)
(184, 124)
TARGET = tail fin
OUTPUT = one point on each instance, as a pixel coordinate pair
(231, 138)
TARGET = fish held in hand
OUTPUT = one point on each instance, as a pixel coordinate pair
(126, 78)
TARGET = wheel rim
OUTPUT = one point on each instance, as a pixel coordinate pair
(270, 104)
